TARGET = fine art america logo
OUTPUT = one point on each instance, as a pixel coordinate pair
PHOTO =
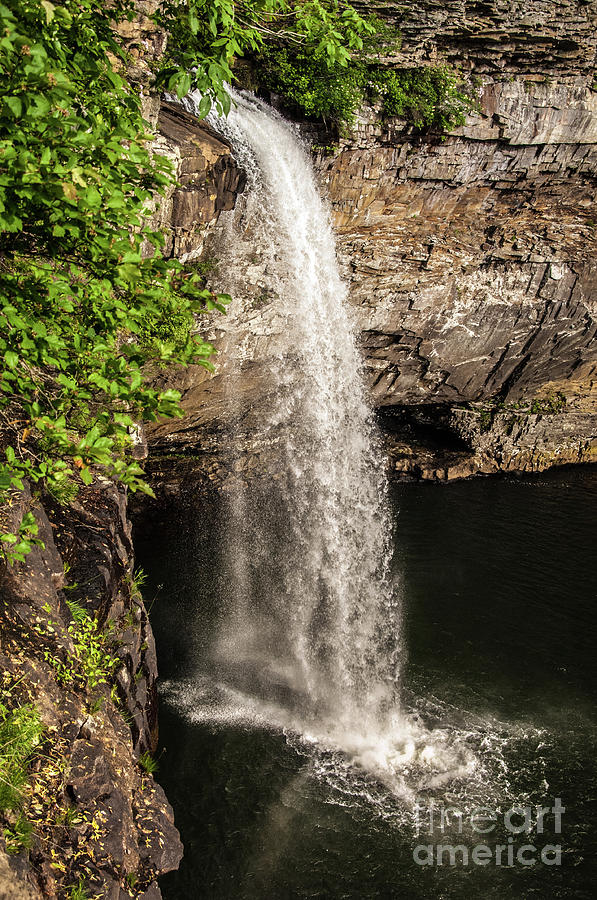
(503, 838)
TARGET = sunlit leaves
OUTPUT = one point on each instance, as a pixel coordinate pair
(82, 309)
(206, 37)
(76, 294)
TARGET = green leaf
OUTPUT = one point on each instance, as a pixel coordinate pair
(226, 103)
(86, 476)
(15, 106)
(204, 106)
(170, 395)
(183, 85)
(49, 10)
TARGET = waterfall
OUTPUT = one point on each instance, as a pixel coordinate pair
(313, 613)
(309, 616)
(308, 632)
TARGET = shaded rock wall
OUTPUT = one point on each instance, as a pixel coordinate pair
(469, 259)
(97, 814)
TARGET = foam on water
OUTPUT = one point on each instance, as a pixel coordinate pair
(387, 774)
(310, 637)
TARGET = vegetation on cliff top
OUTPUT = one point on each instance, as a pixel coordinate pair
(426, 96)
(83, 279)
(207, 35)
(87, 295)
(321, 57)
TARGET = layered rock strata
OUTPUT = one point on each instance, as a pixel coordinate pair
(207, 181)
(470, 256)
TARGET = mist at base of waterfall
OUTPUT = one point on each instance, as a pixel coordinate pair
(427, 752)
(498, 584)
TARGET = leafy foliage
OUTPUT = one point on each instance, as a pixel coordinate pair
(427, 96)
(63, 489)
(78, 891)
(305, 80)
(93, 662)
(137, 580)
(78, 295)
(548, 406)
(206, 35)
(15, 547)
(148, 763)
(20, 734)
(19, 836)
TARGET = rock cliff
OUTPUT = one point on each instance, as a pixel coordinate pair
(470, 256)
(208, 181)
(76, 642)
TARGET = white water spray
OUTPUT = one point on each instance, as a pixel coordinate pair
(329, 624)
(310, 637)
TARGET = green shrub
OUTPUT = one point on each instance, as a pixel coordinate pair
(78, 891)
(307, 81)
(485, 419)
(14, 546)
(63, 489)
(20, 733)
(548, 406)
(19, 836)
(137, 580)
(93, 662)
(148, 763)
(427, 96)
(166, 332)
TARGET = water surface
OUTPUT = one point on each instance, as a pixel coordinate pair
(498, 585)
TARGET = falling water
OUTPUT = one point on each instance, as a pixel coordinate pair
(324, 621)
(309, 632)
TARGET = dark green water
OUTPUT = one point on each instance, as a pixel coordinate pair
(499, 590)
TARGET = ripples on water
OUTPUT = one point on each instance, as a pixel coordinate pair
(499, 593)
(435, 750)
